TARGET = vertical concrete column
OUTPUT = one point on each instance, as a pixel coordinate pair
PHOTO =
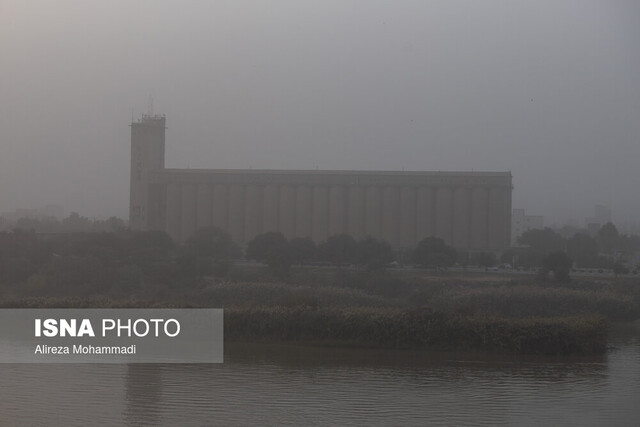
(355, 216)
(507, 217)
(220, 207)
(479, 203)
(253, 211)
(408, 217)
(188, 220)
(270, 205)
(425, 213)
(320, 213)
(203, 203)
(337, 210)
(303, 211)
(287, 214)
(496, 218)
(444, 212)
(461, 214)
(173, 209)
(236, 213)
(390, 216)
(373, 212)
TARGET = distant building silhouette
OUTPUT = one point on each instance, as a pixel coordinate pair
(521, 223)
(468, 210)
(48, 211)
(602, 215)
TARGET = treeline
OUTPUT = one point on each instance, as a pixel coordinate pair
(122, 262)
(355, 306)
(210, 250)
(72, 223)
(608, 249)
(81, 264)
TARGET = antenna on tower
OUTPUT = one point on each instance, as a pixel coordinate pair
(150, 106)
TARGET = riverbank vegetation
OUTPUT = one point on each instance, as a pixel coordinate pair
(332, 304)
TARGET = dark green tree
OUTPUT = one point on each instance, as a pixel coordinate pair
(273, 249)
(339, 249)
(542, 241)
(485, 259)
(114, 223)
(629, 244)
(259, 246)
(584, 250)
(303, 250)
(433, 252)
(559, 263)
(374, 254)
(279, 259)
(539, 244)
(75, 222)
(153, 253)
(208, 249)
(608, 238)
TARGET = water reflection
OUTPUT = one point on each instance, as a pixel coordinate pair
(450, 364)
(143, 385)
(285, 384)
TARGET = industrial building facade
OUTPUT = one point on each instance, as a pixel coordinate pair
(468, 210)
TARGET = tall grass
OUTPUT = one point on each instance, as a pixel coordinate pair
(397, 328)
(531, 301)
(383, 310)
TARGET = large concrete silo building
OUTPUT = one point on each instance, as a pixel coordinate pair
(468, 210)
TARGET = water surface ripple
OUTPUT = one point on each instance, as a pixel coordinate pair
(294, 385)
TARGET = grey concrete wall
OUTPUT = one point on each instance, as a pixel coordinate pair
(469, 210)
(237, 211)
(320, 213)
(303, 211)
(337, 210)
(496, 218)
(467, 215)
(220, 207)
(204, 197)
(425, 213)
(373, 212)
(443, 228)
(173, 209)
(270, 208)
(391, 215)
(355, 215)
(479, 218)
(287, 211)
(188, 216)
(147, 154)
(461, 217)
(408, 216)
(253, 211)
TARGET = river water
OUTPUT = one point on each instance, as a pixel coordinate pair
(262, 384)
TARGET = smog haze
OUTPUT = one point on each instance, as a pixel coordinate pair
(547, 90)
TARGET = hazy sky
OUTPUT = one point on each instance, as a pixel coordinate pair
(549, 90)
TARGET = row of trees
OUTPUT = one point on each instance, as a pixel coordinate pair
(279, 253)
(99, 259)
(71, 224)
(128, 259)
(604, 250)
(210, 250)
(87, 263)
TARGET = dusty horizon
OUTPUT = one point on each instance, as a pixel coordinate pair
(549, 92)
